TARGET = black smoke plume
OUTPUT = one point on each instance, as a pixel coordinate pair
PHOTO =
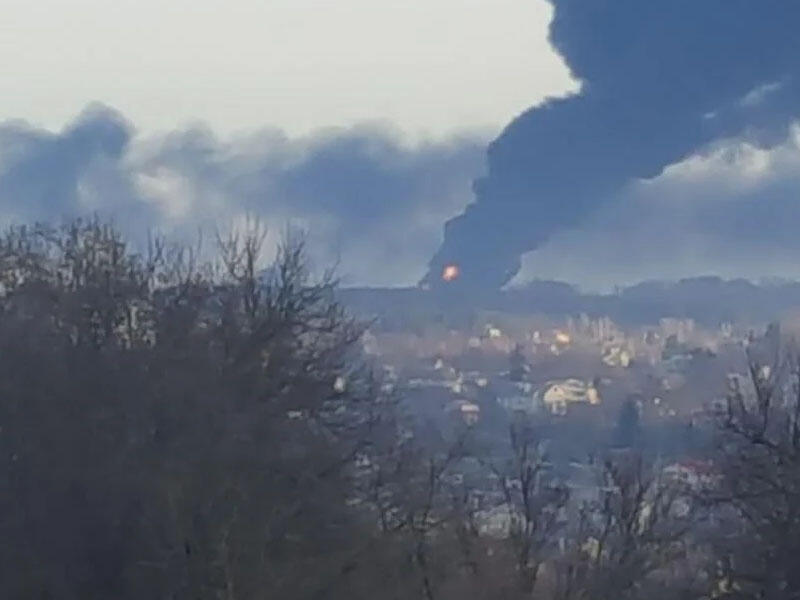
(660, 79)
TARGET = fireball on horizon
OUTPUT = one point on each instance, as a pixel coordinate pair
(450, 273)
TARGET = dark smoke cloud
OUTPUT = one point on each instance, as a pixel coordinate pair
(44, 175)
(369, 200)
(661, 79)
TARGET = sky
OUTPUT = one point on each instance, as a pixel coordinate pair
(598, 143)
(429, 67)
(732, 211)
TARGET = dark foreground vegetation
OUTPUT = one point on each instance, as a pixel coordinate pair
(178, 430)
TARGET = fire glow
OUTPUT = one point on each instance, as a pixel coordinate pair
(450, 273)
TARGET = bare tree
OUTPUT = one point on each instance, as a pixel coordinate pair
(171, 429)
(758, 496)
(634, 538)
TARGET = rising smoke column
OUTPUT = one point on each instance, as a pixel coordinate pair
(661, 79)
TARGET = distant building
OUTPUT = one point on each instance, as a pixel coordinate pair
(604, 330)
(495, 522)
(456, 385)
(493, 333)
(340, 385)
(682, 329)
(556, 396)
(617, 356)
(471, 413)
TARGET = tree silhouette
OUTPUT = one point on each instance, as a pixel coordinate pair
(626, 433)
(518, 364)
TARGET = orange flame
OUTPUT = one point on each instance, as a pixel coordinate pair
(450, 273)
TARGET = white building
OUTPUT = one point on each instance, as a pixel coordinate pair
(556, 396)
(617, 356)
(471, 413)
(682, 329)
(495, 522)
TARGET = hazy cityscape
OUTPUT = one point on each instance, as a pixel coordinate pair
(381, 300)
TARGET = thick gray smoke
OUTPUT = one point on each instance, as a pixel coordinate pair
(49, 175)
(661, 79)
(370, 201)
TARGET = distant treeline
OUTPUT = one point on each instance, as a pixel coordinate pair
(707, 300)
